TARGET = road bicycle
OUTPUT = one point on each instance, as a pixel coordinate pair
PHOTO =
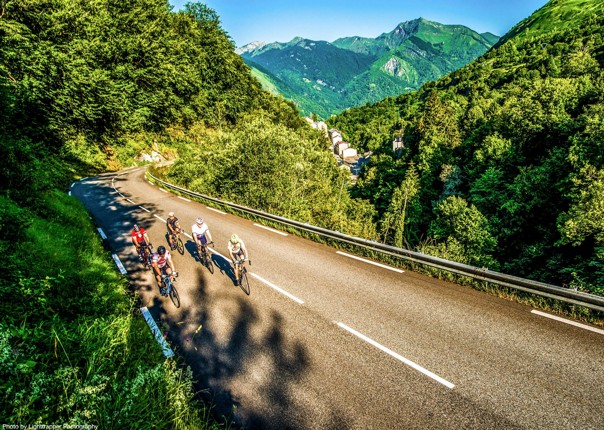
(146, 255)
(242, 282)
(168, 288)
(176, 242)
(204, 256)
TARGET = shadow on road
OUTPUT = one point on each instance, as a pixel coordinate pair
(195, 334)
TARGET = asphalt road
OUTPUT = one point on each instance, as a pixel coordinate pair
(327, 341)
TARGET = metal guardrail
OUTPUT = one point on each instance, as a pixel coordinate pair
(534, 287)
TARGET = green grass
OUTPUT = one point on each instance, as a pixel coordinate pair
(73, 347)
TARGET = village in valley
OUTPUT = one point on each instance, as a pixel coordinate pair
(346, 156)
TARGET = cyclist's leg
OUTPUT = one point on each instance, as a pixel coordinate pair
(162, 287)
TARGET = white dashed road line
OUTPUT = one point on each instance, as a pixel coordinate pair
(394, 269)
(145, 209)
(182, 198)
(151, 182)
(119, 264)
(157, 334)
(102, 233)
(159, 218)
(161, 189)
(271, 229)
(216, 210)
(398, 357)
(273, 286)
(128, 200)
(565, 321)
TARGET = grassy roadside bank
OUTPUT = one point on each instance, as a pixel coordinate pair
(73, 348)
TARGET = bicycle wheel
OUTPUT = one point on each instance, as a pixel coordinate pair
(207, 261)
(146, 256)
(180, 246)
(174, 296)
(245, 285)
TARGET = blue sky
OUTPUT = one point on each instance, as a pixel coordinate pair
(269, 21)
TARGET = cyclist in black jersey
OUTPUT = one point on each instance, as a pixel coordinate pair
(173, 229)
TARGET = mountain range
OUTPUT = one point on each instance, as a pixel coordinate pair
(326, 78)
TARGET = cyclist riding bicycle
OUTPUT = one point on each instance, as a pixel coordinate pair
(201, 233)
(173, 229)
(162, 264)
(140, 239)
(238, 252)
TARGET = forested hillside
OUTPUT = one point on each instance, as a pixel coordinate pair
(503, 160)
(84, 88)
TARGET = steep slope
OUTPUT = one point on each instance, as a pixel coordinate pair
(329, 77)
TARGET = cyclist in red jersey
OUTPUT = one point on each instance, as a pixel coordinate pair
(139, 239)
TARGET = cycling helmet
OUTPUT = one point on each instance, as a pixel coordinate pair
(199, 221)
(171, 214)
(161, 250)
(234, 238)
(136, 227)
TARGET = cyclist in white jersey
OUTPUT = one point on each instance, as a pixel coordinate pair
(201, 233)
(238, 252)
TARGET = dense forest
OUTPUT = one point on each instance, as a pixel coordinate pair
(503, 160)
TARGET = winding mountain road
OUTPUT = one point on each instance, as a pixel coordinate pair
(328, 341)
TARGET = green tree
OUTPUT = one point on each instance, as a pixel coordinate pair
(462, 226)
(403, 199)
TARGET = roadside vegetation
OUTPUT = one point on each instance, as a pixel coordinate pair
(73, 348)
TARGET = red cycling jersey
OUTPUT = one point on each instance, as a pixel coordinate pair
(139, 235)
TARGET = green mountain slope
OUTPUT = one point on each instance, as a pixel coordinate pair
(503, 160)
(326, 78)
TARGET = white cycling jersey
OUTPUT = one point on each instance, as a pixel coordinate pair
(161, 260)
(199, 230)
(236, 248)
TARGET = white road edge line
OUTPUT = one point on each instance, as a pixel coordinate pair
(71, 186)
(271, 229)
(273, 286)
(216, 210)
(398, 357)
(145, 209)
(128, 200)
(102, 233)
(182, 198)
(157, 334)
(119, 264)
(394, 269)
(69, 192)
(188, 235)
(576, 324)
(159, 218)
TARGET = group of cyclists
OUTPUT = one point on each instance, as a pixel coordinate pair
(161, 260)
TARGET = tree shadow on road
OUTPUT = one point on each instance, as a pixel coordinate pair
(219, 355)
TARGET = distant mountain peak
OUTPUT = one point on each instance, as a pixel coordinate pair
(249, 47)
